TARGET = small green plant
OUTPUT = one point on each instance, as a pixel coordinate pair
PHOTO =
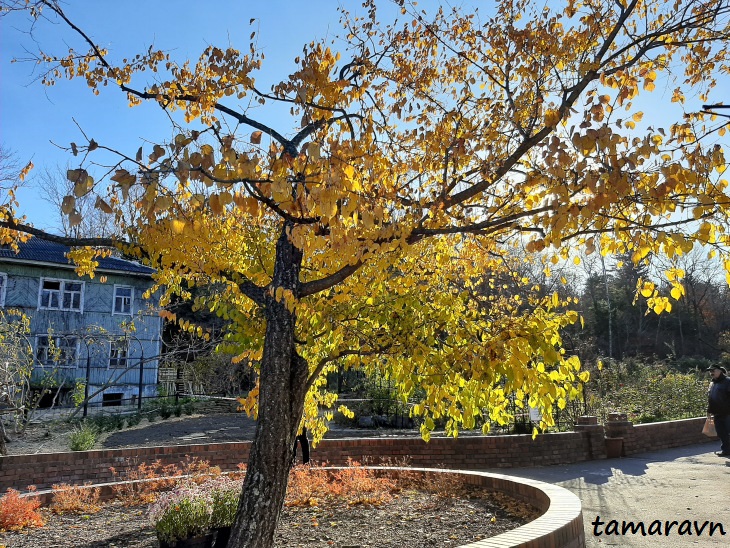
(116, 422)
(165, 409)
(79, 392)
(83, 437)
(178, 410)
(189, 407)
(134, 420)
(100, 422)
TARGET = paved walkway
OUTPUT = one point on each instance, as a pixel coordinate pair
(687, 483)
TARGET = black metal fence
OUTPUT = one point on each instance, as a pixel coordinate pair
(390, 411)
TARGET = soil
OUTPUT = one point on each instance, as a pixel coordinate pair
(413, 518)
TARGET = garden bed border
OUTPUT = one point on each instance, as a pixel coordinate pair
(560, 524)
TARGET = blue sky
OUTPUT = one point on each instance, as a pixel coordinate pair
(32, 116)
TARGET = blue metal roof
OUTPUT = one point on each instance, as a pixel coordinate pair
(36, 250)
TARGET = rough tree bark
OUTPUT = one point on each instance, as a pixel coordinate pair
(3, 439)
(283, 385)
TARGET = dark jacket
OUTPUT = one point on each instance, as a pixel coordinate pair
(719, 396)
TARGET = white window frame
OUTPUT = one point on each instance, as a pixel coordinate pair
(131, 300)
(61, 292)
(4, 288)
(56, 338)
(118, 344)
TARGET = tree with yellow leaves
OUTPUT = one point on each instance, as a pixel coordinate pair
(374, 235)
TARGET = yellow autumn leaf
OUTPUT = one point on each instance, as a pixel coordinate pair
(24, 172)
(552, 117)
(647, 290)
(178, 226)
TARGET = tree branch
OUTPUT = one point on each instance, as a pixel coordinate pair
(329, 359)
(69, 241)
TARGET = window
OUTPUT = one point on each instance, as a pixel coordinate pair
(119, 353)
(61, 295)
(111, 400)
(57, 351)
(122, 300)
(3, 285)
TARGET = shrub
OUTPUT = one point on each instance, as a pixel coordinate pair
(141, 485)
(134, 420)
(102, 423)
(116, 422)
(165, 410)
(307, 486)
(17, 512)
(68, 499)
(646, 392)
(181, 514)
(193, 509)
(360, 486)
(189, 407)
(83, 437)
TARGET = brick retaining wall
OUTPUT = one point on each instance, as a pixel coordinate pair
(464, 453)
(641, 438)
(75, 468)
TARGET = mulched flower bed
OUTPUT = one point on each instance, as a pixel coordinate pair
(411, 519)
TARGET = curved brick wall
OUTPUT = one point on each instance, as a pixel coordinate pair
(559, 526)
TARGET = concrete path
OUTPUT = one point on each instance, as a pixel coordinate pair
(687, 483)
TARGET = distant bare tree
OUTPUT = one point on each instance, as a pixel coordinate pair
(54, 186)
(10, 172)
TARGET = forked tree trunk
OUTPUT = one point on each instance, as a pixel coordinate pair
(283, 378)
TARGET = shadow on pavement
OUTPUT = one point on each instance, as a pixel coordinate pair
(599, 472)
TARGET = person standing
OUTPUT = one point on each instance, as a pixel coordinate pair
(718, 405)
(304, 442)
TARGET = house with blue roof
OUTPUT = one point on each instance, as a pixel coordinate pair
(103, 332)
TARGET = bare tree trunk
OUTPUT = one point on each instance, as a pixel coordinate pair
(608, 300)
(3, 439)
(281, 402)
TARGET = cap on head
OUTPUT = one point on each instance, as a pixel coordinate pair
(713, 367)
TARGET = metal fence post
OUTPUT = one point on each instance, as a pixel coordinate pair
(88, 379)
(141, 381)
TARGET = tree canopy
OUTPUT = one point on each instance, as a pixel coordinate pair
(373, 231)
